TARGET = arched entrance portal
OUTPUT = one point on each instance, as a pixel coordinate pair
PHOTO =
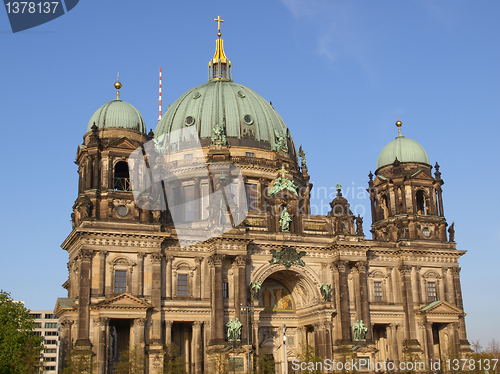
(290, 297)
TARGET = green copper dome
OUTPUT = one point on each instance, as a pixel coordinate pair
(249, 119)
(117, 114)
(405, 150)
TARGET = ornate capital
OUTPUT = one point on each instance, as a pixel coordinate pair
(456, 271)
(139, 322)
(66, 324)
(169, 258)
(85, 254)
(155, 257)
(198, 260)
(103, 254)
(301, 329)
(361, 265)
(216, 260)
(241, 260)
(341, 265)
(101, 321)
(197, 324)
(405, 269)
(141, 255)
(168, 324)
(324, 265)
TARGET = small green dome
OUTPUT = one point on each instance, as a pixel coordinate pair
(117, 114)
(249, 119)
(405, 150)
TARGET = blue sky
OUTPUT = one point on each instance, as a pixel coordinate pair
(338, 72)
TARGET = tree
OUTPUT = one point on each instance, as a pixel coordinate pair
(173, 362)
(131, 361)
(314, 363)
(19, 346)
(78, 362)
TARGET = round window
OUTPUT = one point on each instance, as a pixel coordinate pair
(189, 121)
(241, 94)
(426, 232)
(196, 95)
(121, 210)
(248, 119)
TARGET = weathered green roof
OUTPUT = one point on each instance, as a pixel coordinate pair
(405, 150)
(431, 305)
(117, 114)
(246, 114)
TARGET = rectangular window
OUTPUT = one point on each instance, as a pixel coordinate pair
(49, 368)
(225, 290)
(37, 316)
(50, 316)
(182, 285)
(38, 333)
(50, 333)
(38, 325)
(120, 281)
(188, 156)
(50, 350)
(50, 342)
(377, 291)
(250, 154)
(251, 192)
(431, 291)
(52, 325)
(188, 203)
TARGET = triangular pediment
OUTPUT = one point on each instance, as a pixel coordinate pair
(64, 303)
(123, 301)
(123, 143)
(440, 307)
(421, 174)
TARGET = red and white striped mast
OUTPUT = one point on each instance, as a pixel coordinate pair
(159, 100)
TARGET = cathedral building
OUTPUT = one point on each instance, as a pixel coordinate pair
(215, 263)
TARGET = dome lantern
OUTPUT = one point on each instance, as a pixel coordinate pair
(219, 67)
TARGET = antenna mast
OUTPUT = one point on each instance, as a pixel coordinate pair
(159, 100)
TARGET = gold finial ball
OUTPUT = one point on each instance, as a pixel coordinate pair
(219, 34)
(118, 85)
(399, 123)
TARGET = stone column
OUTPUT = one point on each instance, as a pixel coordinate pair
(102, 272)
(449, 286)
(140, 274)
(198, 282)
(216, 262)
(197, 351)
(138, 333)
(328, 341)
(241, 262)
(84, 297)
(197, 199)
(408, 307)
(187, 350)
(301, 336)
(394, 343)
(459, 302)
(440, 200)
(319, 341)
(168, 282)
(156, 297)
(365, 307)
(390, 284)
(66, 342)
(102, 326)
(429, 340)
(168, 333)
(344, 301)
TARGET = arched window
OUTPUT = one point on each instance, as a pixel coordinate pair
(421, 203)
(385, 207)
(121, 180)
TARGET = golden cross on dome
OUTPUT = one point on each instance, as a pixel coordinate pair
(218, 22)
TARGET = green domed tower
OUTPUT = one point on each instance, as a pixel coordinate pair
(104, 191)
(406, 199)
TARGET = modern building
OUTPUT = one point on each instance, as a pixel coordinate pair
(146, 271)
(47, 326)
